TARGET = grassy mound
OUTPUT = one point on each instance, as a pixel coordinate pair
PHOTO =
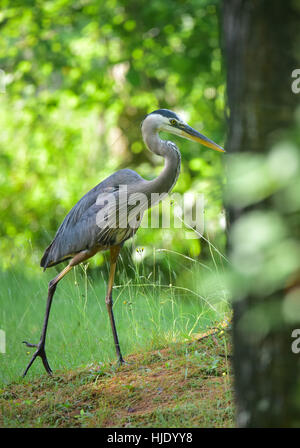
(185, 385)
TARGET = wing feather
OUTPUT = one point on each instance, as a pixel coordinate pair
(79, 230)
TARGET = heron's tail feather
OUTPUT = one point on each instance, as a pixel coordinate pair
(51, 257)
(45, 261)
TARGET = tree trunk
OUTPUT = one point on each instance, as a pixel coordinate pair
(261, 38)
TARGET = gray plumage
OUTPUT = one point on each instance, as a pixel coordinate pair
(79, 230)
(103, 219)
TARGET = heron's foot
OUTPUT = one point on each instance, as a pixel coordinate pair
(39, 352)
(122, 362)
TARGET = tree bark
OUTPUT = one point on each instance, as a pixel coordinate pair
(261, 45)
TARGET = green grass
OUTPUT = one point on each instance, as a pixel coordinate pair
(185, 385)
(149, 313)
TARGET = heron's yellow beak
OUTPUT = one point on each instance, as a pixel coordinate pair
(191, 134)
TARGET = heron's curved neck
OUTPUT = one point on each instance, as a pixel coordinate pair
(169, 175)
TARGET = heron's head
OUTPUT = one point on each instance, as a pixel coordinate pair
(167, 121)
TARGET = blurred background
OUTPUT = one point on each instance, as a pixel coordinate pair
(80, 76)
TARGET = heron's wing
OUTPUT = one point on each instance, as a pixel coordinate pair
(79, 230)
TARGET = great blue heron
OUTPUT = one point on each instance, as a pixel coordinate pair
(97, 221)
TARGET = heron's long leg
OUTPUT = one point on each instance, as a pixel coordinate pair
(78, 258)
(114, 253)
(41, 345)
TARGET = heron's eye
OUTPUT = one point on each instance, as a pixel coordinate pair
(173, 122)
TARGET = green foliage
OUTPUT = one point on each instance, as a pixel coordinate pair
(80, 76)
(267, 261)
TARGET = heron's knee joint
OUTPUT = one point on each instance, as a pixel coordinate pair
(52, 285)
(108, 300)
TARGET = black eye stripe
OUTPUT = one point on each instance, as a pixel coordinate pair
(165, 113)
